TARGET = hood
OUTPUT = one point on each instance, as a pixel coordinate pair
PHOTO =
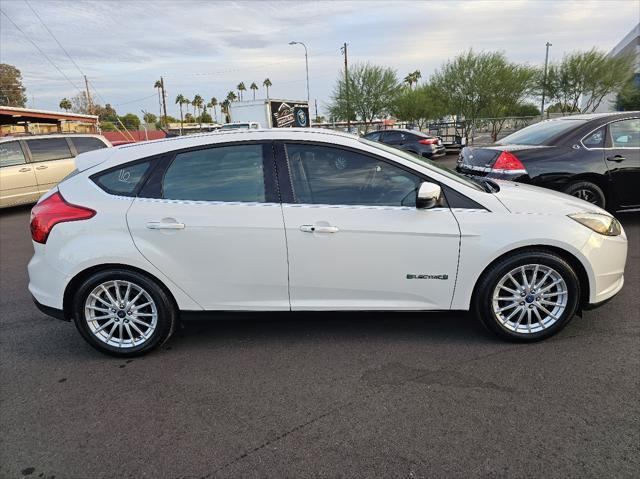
(522, 198)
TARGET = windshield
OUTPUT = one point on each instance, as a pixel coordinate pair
(424, 162)
(540, 133)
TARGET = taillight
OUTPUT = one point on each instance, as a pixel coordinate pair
(509, 162)
(429, 141)
(53, 210)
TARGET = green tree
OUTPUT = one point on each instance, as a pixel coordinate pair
(241, 88)
(372, 89)
(590, 75)
(419, 105)
(526, 109)
(107, 126)
(628, 98)
(130, 121)
(214, 103)
(267, 83)
(205, 118)
(231, 96)
(224, 107)
(189, 118)
(65, 104)
(158, 85)
(412, 78)
(181, 100)
(12, 93)
(150, 118)
(254, 87)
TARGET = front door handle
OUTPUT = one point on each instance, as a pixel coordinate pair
(24, 170)
(319, 229)
(42, 167)
(158, 225)
(616, 158)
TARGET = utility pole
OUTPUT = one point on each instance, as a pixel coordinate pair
(89, 104)
(544, 79)
(163, 120)
(316, 102)
(346, 85)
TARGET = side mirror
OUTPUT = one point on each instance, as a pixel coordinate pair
(428, 195)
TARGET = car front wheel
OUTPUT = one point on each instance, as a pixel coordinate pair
(123, 313)
(527, 297)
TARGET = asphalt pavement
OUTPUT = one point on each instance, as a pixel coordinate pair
(357, 396)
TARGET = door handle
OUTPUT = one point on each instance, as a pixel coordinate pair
(616, 158)
(319, 229)
(158, 225)
(24, 170)
(42, 167)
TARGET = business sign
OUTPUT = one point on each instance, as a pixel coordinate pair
(289, 114)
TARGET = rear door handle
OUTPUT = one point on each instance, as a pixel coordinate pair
(24, 170)
(616, 158)
(158, 225)
(319, 229)
(42, 167)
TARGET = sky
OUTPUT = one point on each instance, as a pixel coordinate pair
(208, 47)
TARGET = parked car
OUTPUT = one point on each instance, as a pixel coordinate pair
(240, 125)
(593, 157)
(297, 220)
(412, 141)
(32, 165)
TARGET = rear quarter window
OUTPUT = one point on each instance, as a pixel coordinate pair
(123, 180)
(87, 143)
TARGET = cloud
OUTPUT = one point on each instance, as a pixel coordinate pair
(209, 47)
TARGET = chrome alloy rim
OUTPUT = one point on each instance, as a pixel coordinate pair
(586, 195)
(121, 314)
(530, 298)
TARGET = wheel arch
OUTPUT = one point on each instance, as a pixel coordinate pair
(84, 274)
(574, 262)
(602, 181)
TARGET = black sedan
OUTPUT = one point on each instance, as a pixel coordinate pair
(594, 157)
(412, 141)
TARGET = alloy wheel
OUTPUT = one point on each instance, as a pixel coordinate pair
(121, 314)
(530, 298)
(586, 195)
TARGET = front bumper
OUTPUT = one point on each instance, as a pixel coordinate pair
(607, 256)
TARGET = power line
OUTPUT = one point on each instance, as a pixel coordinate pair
(39, 49)
(133, 101)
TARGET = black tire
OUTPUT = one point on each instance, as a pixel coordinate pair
(166, 312)
(483, 296)
(587, 191)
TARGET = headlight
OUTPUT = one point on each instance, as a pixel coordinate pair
(603, 224)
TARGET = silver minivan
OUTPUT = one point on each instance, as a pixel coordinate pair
(32, 165)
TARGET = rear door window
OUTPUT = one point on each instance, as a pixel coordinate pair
(625, 133)
(11, 154)
(49, 149)
(123, 180)
(227, 173)
(393, 137)
(87, 143)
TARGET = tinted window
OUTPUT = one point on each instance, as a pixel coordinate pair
(373, 136)
(626, 133)
(332, 176)
(229, 173)
(49, 149)
(11, 154)
(87, 143)
(595, 139)
(393, 137)
(540, 133)
(123, 180)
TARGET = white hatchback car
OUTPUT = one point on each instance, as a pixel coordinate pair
(144, 235)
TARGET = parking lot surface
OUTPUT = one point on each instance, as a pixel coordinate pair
(332, 395)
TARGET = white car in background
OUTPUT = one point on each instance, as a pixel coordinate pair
(145, 235)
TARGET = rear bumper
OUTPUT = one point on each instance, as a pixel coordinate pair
(49, 311)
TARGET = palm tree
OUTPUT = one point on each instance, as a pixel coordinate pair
(197, 103)
(416, 76)
(158, 85)
(231, 96)
(225, 107)
(241, 88)
(180, 99)
(267, 83)
(213, 103)
(254, 87)
(65, 104)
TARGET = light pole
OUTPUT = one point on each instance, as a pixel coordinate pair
(306, 62)
(544, 78)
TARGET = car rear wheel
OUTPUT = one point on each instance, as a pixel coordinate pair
(123, 313)
(587, 191)
(527, 297)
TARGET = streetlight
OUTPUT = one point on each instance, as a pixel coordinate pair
(544, 79)
(306, 61)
